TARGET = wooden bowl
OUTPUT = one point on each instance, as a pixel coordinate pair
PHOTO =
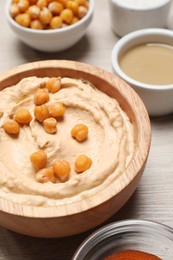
(77, 217)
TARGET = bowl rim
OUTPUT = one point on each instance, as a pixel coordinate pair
(135, 165)
(132, 37)
(50, 31)
(129, 7)
(115, 227)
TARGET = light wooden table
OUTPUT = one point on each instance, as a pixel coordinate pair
(153, 199)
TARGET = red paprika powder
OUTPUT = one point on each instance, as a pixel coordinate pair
(132, 255)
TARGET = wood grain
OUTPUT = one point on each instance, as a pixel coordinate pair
(153, 198)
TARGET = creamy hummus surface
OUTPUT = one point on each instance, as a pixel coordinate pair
(110, 143)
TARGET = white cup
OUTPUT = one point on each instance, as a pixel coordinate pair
(130, 15)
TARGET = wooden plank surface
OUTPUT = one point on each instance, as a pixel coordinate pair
(153, 197)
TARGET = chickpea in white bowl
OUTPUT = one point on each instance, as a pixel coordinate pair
(49, 25)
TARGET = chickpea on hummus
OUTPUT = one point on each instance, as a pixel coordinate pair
(61, 140)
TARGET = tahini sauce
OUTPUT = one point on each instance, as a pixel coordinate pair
(150, 63)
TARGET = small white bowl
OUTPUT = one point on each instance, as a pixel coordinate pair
(54, 40)
(158, 99)
(131, 15)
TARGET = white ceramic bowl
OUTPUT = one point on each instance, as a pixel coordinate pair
(131, 15)
(158, 99)
(54, 40)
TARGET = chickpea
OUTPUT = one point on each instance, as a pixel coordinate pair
(33, 11)
(74, 20)
(67, 15)
(45, 175)
(41, 3)
(41, 96)
(23, 116)
(45, 16)
(23, 5)
(86, 4)
(37, 25)
(82, 163)
(56, 22)
(56, 109)
(55, 7)
(41, 113)
(63, 2)
(38, 159)
(80, 132)
(49, 125)
(11, 127)
(62, 169)
(23, 19)
(82, 11)
(53, 84)
(14, 10)
(72, 6)
(79, 2)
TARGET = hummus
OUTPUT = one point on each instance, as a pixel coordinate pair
(110, 143)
